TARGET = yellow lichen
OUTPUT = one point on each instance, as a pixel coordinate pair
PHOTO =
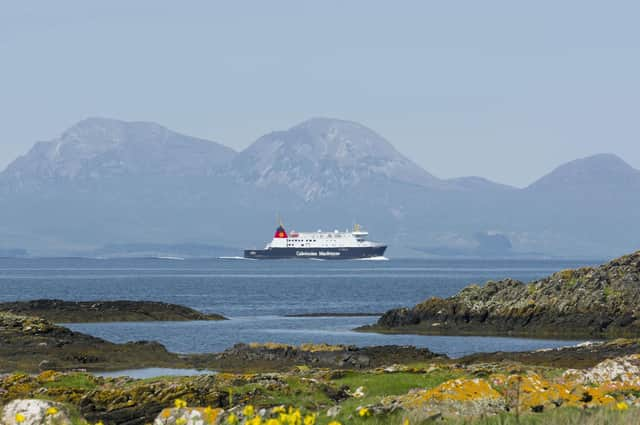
(455, 390)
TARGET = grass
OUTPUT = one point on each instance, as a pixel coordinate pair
(78, 381)
(297, 392)
(562, 416)
(379, 385)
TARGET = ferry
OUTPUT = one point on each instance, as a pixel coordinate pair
(334, 245)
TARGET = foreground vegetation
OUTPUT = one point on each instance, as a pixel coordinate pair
(427, 393)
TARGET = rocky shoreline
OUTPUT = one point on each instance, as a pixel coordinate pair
(33, 344)
(590, 302)
(59, 311)
(582, 355)
(329, 381)
(273, 356)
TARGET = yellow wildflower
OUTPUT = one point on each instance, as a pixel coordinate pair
(181, 421)
(256, 420)
(334, 423)
(99, 423)
(248, 411)
(278, 409)
(20, 418)
(363, 411)
(310, 420)
(273, 422)
(180, 404)
(232, 419)
(405, 422)
(622, 406)
(52, 411)
(211, 413)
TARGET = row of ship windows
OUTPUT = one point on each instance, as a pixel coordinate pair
(328, 235)
(303, 245)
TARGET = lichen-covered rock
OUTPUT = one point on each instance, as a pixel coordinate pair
(189, 416)
(625, 370)
(458, 397)
(611, 383)
(533, 393)
(34, 412)
(590, 301)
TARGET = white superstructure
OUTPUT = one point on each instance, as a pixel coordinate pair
(320, 239)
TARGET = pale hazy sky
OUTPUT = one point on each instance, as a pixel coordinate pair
(505, 90)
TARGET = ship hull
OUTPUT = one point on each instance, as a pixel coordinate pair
(348, 253)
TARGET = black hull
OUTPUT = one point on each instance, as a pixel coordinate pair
(316, 253)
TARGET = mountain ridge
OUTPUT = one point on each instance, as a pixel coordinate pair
(102, 147)
(603, 168)
(323, 131)
(113, 182)
(320, 154)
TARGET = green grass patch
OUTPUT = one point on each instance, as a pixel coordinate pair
(296, 391)
(561, 416)
(383, 384)
(78, 381)
(379, 385)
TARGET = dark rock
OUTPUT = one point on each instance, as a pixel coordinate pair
(59, 311)
(579, 356)
(32, 344)
(587, 302)
(280, 356)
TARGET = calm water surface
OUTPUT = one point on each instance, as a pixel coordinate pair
(257, 295)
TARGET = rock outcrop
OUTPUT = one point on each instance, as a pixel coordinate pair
(59, 311)
(586, 354)
(587, 302)
(274, 356)
(525, 392)
(32, 344)
(34, 412)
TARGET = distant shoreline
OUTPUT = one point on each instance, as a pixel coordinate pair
(334, 315)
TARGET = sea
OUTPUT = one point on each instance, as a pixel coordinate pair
(263, 298)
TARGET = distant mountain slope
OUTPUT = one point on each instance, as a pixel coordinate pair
(98, 147)
(322, 156)
(478, 183)
(591, 173)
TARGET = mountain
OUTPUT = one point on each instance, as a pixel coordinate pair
(106, 181)
(591, 200)
(98, 148)
(139, 186)
(323, 156)
(603, 171)
(478, 183)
